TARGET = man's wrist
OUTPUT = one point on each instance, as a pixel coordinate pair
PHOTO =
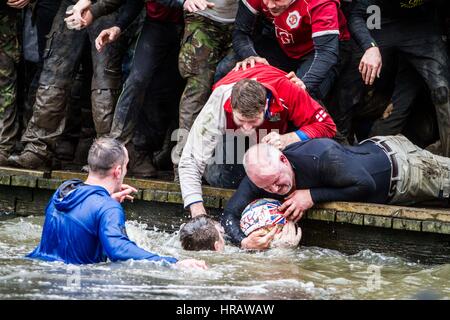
(370, 45)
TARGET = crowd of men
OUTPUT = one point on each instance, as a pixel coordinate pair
(304, 101)
(179, 82)
(68, 75)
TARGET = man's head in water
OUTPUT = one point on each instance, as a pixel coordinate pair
(202, 233)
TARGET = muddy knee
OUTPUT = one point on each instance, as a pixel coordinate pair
(440, 95)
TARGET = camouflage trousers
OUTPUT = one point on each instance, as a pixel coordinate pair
(62, 55)
(421, 175)
(9, 58)
(205, 43)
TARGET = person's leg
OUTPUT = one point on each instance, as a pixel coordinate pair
(226, 65)
(9, 57)
(421, 175)
(227, 170)
(155, 43)
(427, 53)
(47, 123)
(107, 76)
(45, 12)
(347, 94)
(205, 42)
(407, 85)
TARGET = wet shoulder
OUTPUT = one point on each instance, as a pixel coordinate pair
(105, 203)
(313, 147)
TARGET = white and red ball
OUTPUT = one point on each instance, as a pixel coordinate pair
(261, 213)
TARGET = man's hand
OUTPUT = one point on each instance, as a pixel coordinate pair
(124, 193)
(196, 5)
(80, 15)
(18, 4)
(197, 209)
(289, 237)
(274, 139)
(295, 80)
(249, 61)
(280, 141)
(191, 264)
(259, 239)
(370, 65)
(295, 204)
(107, 36)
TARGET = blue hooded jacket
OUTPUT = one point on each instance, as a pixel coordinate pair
(83, 224)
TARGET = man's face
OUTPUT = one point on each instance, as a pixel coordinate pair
(277, 180)
(277, 7)
(247, 125)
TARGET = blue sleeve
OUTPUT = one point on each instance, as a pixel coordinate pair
(303, 136)
(115, 241)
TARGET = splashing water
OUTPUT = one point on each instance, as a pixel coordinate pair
(302, 273)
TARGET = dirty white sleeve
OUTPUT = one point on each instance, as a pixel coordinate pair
(205, 134)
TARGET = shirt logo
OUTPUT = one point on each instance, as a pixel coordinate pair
(293, 19)
(274, 117)
(284, 36)
(321, 115)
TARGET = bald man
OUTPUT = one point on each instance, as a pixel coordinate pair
(379, 170)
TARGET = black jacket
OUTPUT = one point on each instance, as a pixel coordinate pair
(331, 171)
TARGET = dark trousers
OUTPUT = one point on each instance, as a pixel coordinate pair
(417, 45)
(45, 12)
(221, 173)
(157, 48)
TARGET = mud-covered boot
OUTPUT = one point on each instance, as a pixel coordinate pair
(141, 164)
(3, 159)
(29, 160)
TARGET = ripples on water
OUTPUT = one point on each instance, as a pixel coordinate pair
(303, 273)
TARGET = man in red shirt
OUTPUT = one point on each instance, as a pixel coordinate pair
(249, 102)
(300, 35)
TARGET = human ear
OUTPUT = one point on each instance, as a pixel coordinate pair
(217, 246)
(118, 171)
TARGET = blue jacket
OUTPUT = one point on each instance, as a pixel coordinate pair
(83, 224)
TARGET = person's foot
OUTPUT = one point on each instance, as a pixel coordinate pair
(3, 159)
(141, 165)
(28, 160)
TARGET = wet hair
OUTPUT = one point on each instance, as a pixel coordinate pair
(104, 154)
(199, 233)
(248, 97)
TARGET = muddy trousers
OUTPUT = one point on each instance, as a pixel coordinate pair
(61, 59)
(156, 51)
(421, 176)
(205, 43)
(9, 58)
(9, 125)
